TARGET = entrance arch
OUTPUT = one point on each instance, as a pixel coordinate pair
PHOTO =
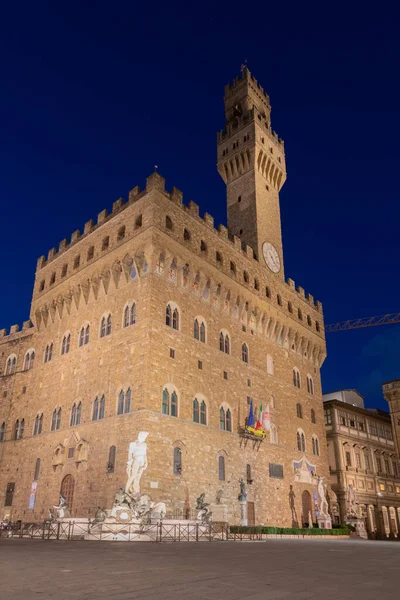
(306, 506)
(67, 489)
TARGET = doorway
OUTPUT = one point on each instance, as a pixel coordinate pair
(251, 515)
(306, 508)
(67, 489)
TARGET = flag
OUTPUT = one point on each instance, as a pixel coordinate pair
(250, 420)
(266, 418)
(259, 423)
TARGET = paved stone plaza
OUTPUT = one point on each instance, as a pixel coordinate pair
(304, 569)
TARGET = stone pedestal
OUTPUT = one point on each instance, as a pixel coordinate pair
(324, 522)
(359, 525)
(219, 513)
(243, 512)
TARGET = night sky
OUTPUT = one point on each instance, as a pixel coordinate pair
(94, 94)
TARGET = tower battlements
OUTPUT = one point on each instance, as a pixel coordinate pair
(16, 332)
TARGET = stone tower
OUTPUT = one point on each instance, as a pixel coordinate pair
(391, 393)
(251, 161)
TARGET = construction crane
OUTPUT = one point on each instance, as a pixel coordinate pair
(364, 322)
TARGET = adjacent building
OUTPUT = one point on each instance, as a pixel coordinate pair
(362, 453)
(154, 320)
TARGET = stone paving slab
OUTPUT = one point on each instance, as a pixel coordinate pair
(270, 570)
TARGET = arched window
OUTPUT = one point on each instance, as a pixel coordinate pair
(66, 343)
(169, 403)
(309, 321)
(299, 410)
(296, 378)
(196, 330)
(270, 365)
(221, 341)
(313, 419)
(300, 314)
(174, 405)
(301, 441)
(196, 411)
(130, 315)
(199, 330)
(310, 384)
(225, 419)
(38, 426)
(203, 413)
(221, 418)
(245, 353)
(95, 414)
(102, 407)
(121, 233)
(56, 419)
(177, 461)
(37, 470)
(3, 432)
(165, 402)
(124, 402)
(29, 360)
(19, 429)
(76, 414)
(168, 223)
(48, 353)
(172, 316)
(84, 335)
(105, 328)
(315, 446)
(224, 343)
(186, 235)
(221, 468)
(111, 459)
(203, 246)
(11, 365)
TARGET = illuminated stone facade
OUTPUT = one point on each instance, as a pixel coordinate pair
(115, 315)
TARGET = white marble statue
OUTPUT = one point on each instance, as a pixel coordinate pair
(322, 501)
(310, 523)
(351, 501)
(137, 464)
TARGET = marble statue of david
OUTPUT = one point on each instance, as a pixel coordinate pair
(137, 464)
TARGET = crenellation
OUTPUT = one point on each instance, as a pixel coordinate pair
(209, 220)
(75, 236)
(41, 261)
(237, 242)
(62, 245)
(318, 306)
(290, 282)
(27, 325)
(88, 227)
(310, 298)
(133, 194)
(101, 217)
(117, 205)
(14, 329)
(176, 196)
(52, 252)
(3, 333)
(193, 208)
(249, 251)
(300, 291)
(155, 182)
(223, 231)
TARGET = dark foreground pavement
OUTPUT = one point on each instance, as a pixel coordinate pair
(273, 569)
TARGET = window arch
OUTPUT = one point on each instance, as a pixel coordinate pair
(37, 470)
(11, 365)
(301, 441)
(225, 419)
(299, 410)
(3, 431)
(76, 413)
(48, 353)
(38, 425)
(296, 378)
(124, 402)
(169, 401)
(245, 353)
(84, 335)
(177, 461)
(315, 445)
(19, 429)
(111, 459)
(130, 314)
(270, 365)
(313, 419)
(199, 411)
(105, 326)
(224, 342)
(199, 329)
(29, 360)
(172, 316)
(66, 342)
(56, 419)
(221, 468)
(99, 406)
(310, 384)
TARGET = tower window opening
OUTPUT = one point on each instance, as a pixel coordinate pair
(239, 198)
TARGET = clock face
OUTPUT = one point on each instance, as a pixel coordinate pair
(271, 257)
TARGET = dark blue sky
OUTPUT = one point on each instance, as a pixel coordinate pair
(93, 94)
